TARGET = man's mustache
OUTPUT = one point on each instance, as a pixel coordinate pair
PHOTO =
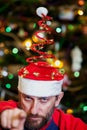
(34, 116)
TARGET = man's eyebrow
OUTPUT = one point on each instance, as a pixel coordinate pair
(44, 97)
(25, 95)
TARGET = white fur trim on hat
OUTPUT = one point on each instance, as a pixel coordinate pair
(39, 88)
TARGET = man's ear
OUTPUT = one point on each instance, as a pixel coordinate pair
(58, 99)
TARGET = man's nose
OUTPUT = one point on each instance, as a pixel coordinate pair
(34, 108)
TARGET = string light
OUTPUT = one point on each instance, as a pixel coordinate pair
(4, 73)
(6, 51)
(8, 29)
(69, 111)
(27, 43)
(70, 27)
(58, 30)
(81, 2)
(10, 76)
(58, 63)
(14, 50)
(80, 12)
(85, 108)
(34, 25)
(76, 73)
(34, 38)
(8, 86)
(1, 53)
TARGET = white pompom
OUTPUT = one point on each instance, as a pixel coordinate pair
(41, 10)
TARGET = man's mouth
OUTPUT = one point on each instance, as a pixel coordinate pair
(34, 117)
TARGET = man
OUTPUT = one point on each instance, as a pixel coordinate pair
(40, 92)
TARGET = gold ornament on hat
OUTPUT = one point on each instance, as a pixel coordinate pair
(53, 75)
(36, 74)
(25, 72)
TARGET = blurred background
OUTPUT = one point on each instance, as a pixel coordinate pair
(18, 23)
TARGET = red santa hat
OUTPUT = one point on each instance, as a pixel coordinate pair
(40, 79)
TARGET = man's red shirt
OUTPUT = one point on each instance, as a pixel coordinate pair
(59, 121)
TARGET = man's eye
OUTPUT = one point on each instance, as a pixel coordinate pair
(44, 99)
(28, 98)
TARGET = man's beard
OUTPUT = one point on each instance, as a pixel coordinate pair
(35, 124)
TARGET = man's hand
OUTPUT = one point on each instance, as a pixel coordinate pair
(13, 119)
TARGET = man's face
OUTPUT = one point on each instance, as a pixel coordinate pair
(39, 110)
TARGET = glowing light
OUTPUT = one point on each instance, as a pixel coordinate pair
(50, 60)
(81, 2)
(4, 73)
(6, 51)
(34, 25)
(1, 53)
(49, 23)
(8, 29)
(69, 111)
(63, 28)
(28, 42)
(58, 64)
(80, 12)
(58, 30)
(70, 27)
(85, 108)
(10, 76)
(76, 74)
(57, 46)
(8, 86)
(34, 38)
(15, 50)
(62, 71)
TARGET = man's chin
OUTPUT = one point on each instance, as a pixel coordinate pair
(33, 126)
(35, 123)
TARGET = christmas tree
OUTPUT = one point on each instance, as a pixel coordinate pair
(18, 31)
